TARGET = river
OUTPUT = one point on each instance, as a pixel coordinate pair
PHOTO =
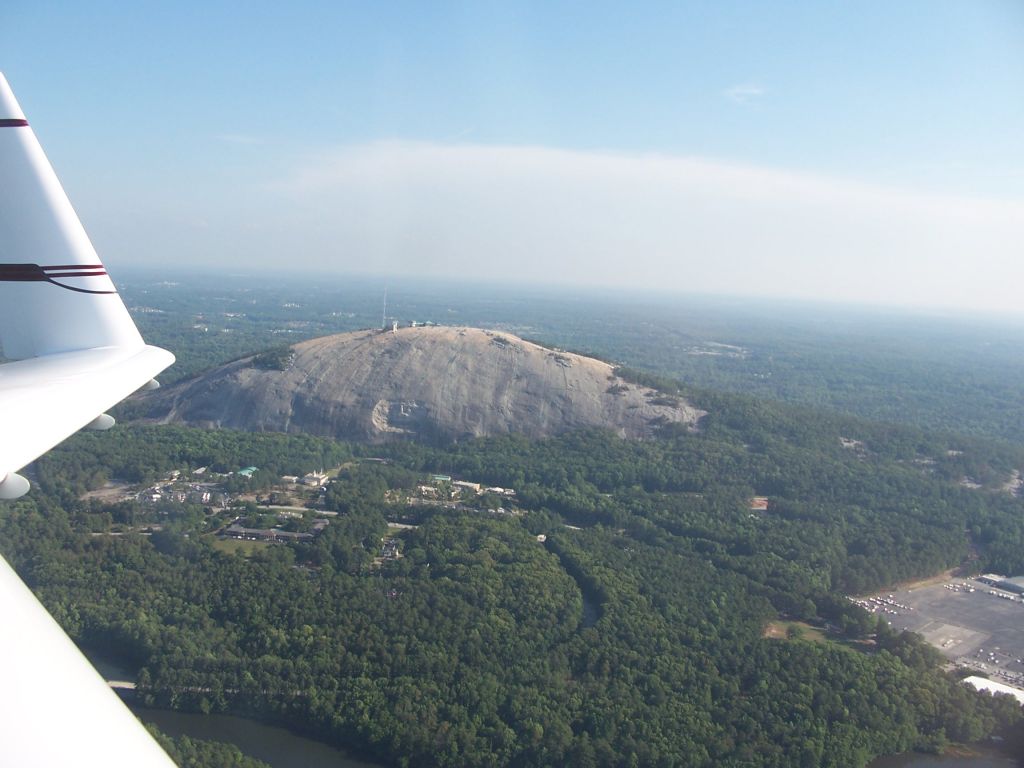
(277, 746)
(281, 748)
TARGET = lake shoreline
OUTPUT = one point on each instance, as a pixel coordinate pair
(274, 742)
(313, 752)
(241, 728)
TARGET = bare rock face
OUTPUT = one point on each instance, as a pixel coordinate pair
(434, 384)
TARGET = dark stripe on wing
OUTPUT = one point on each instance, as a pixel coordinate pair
(33, 273)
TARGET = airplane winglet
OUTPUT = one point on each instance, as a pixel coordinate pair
(55, 295)
(10, 111)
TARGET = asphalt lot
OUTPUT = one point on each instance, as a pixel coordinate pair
(977, 629)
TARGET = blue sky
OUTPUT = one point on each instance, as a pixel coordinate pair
(865, 151)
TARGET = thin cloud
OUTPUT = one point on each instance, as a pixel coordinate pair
(744, 93)
(638, 221)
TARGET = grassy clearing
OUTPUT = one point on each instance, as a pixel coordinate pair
(239, 546)
(794, 630)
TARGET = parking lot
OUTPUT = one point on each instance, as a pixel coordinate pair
(969, 622)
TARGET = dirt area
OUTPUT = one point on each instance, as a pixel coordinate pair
(110, 492)
(939, 578)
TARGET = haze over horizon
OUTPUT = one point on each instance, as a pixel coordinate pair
(864, 155)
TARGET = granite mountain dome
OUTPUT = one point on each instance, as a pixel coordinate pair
(428, 383)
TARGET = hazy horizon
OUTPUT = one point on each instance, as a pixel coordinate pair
(134, 276)
(865, 156)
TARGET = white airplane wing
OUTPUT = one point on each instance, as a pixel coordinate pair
(76, 353)
(79, 352)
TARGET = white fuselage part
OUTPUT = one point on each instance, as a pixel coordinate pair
(77, 354)
(55, 708)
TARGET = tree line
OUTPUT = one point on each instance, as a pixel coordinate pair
(472, 648)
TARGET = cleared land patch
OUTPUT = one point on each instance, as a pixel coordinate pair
(794, 630)
(239, 546)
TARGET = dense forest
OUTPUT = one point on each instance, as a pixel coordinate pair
(619, 616)
(633, 634)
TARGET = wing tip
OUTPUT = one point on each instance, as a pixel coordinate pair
(10, 111)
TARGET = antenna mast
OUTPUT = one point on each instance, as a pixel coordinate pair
(384, 314)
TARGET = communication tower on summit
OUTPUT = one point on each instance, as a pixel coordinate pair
(384, 325)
